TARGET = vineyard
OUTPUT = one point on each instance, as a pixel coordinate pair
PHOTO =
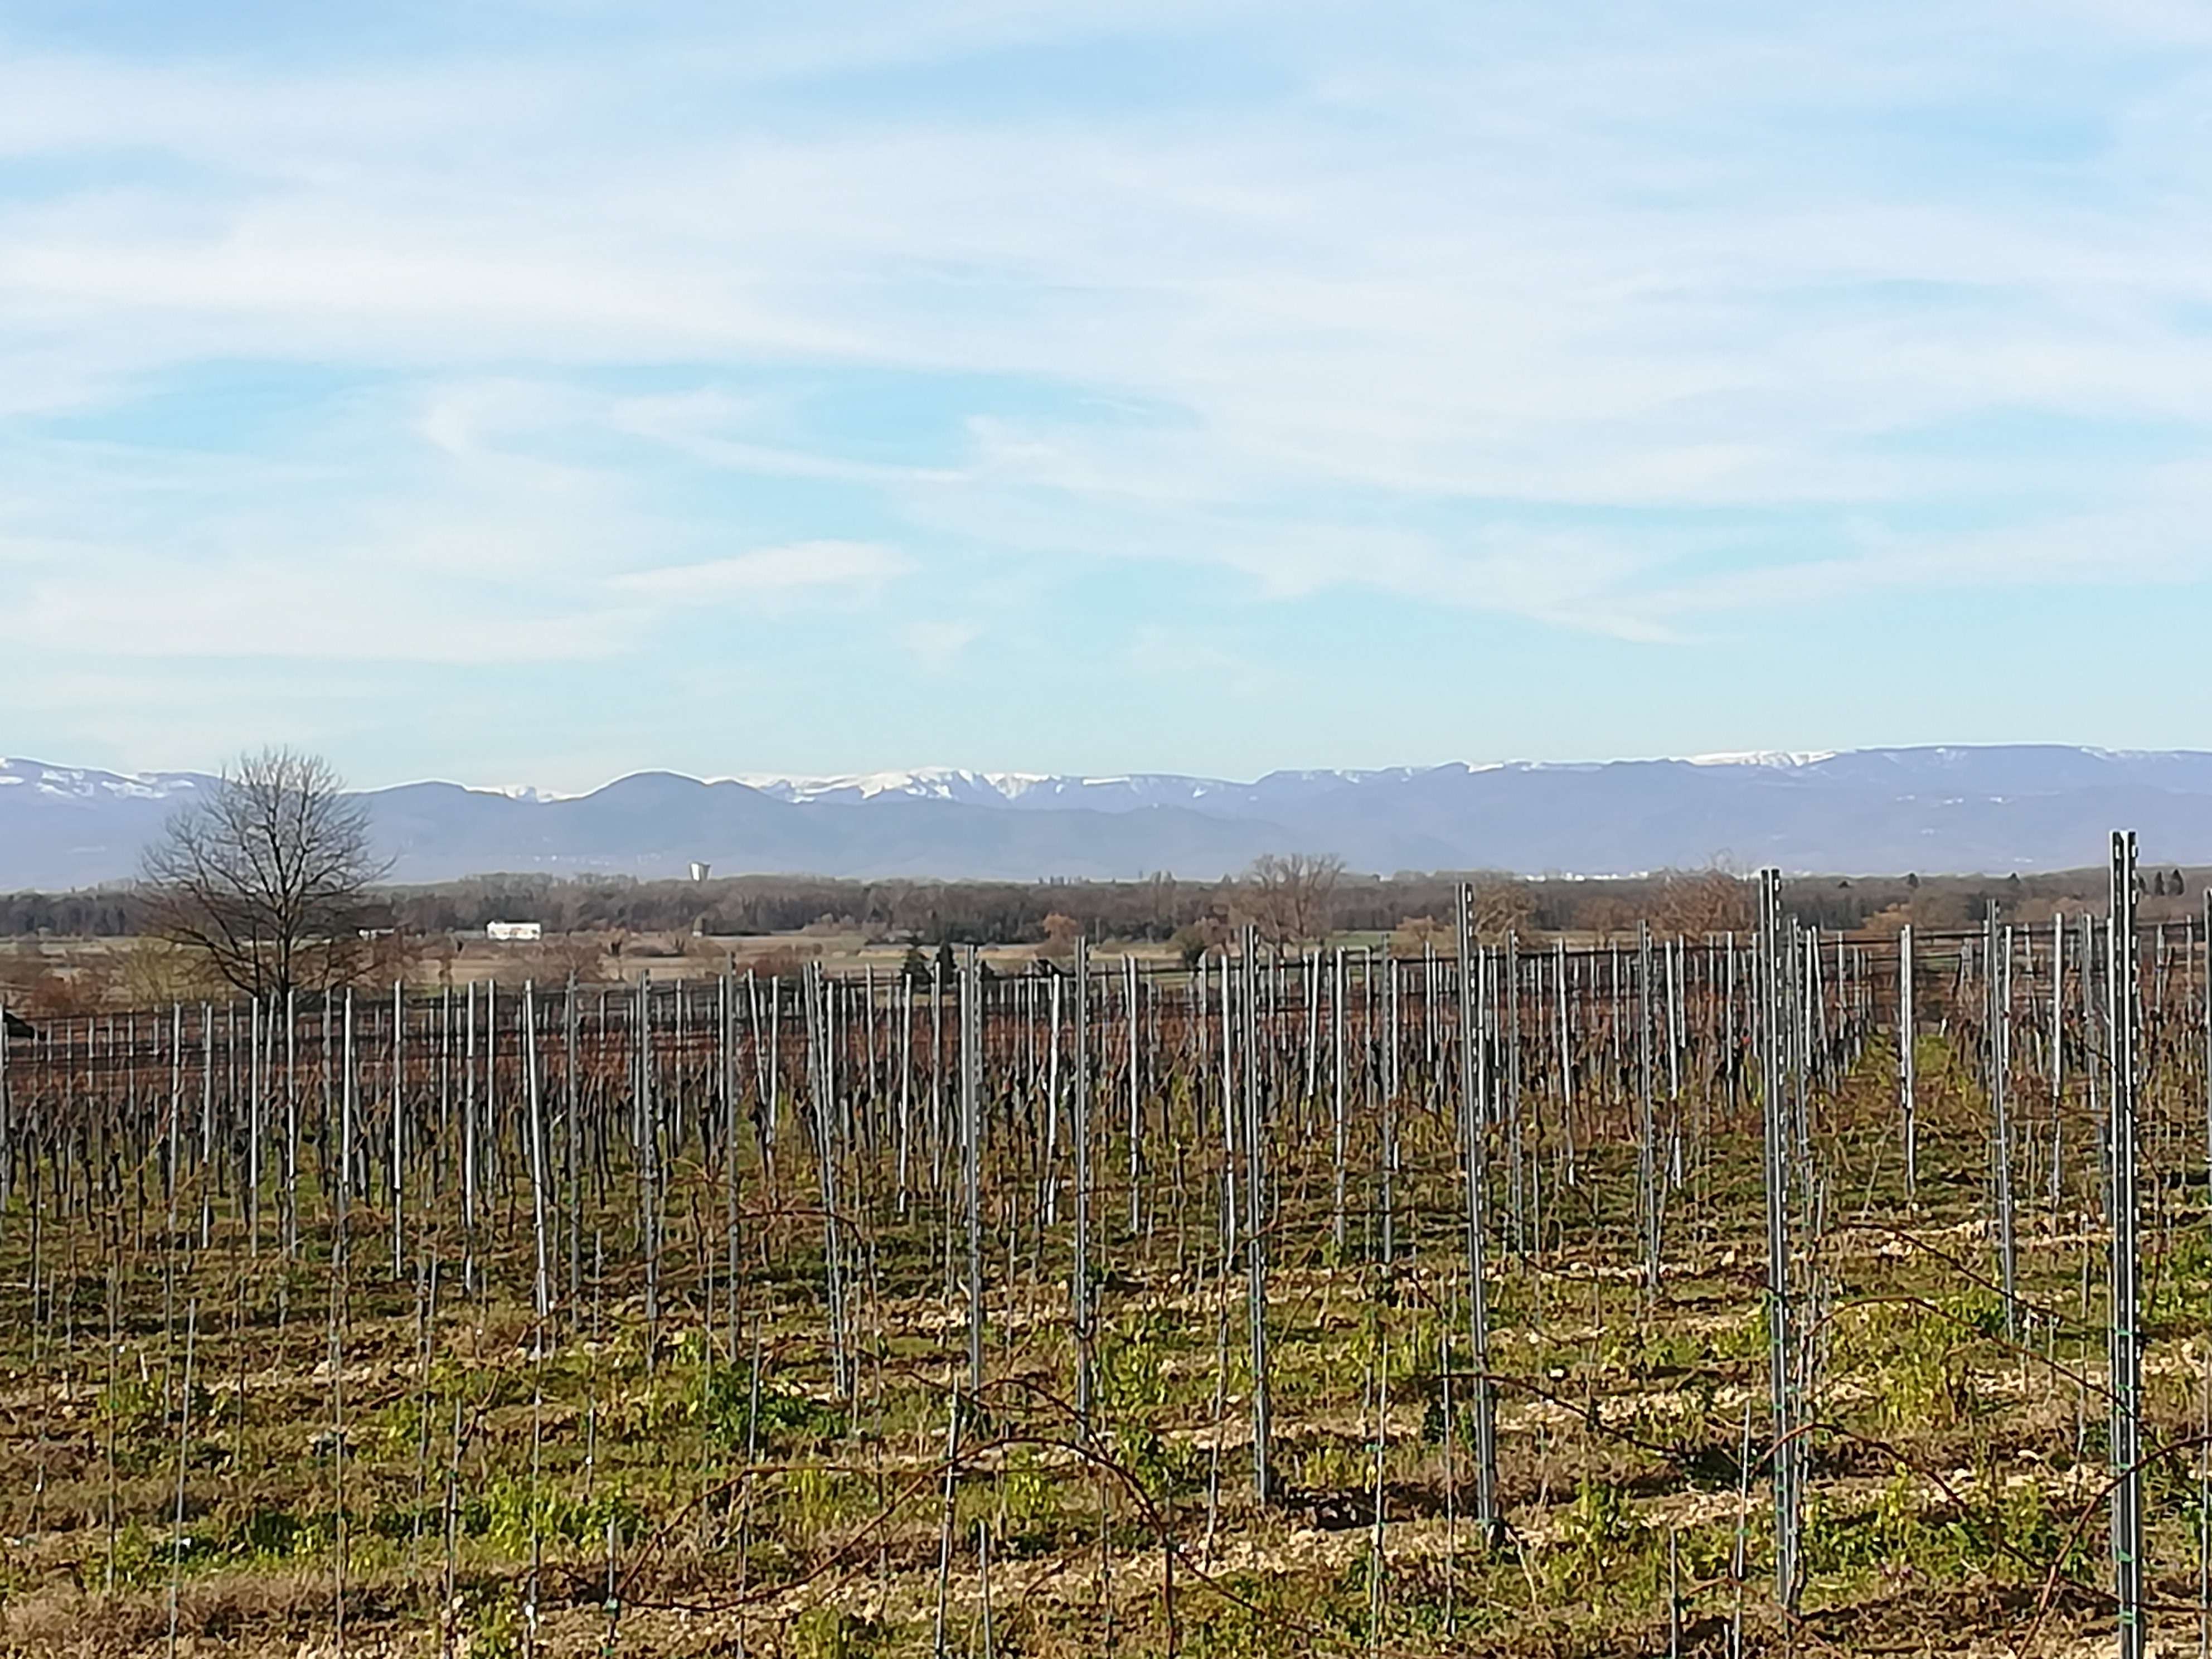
(1666, 1295)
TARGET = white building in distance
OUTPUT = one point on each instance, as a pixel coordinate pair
(515, 932)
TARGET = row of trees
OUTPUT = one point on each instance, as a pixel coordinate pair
(1287, 897)
(1156, 908)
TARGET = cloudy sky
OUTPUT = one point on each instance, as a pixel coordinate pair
(531, 390)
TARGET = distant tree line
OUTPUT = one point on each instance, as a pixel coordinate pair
(1155, 909)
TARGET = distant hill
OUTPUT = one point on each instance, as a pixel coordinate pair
(1991, 809)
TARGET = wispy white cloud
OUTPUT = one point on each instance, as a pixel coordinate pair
(289, 609)
(696, 425)
(794, 567)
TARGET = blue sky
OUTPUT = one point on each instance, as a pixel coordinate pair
(532, 391)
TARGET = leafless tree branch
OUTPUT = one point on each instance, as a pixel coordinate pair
(267, 877)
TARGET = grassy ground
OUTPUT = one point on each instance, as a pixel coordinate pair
(684, 1479)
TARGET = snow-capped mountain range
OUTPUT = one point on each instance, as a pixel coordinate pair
(1950, 808)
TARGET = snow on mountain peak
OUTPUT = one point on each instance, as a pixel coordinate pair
(88, 783)
(1782, 759)
(921, 783)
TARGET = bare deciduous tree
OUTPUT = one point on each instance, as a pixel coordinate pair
(266, 876)
(1286, 894)
(1061, 933)
(1695, 904)
(1502, 906)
